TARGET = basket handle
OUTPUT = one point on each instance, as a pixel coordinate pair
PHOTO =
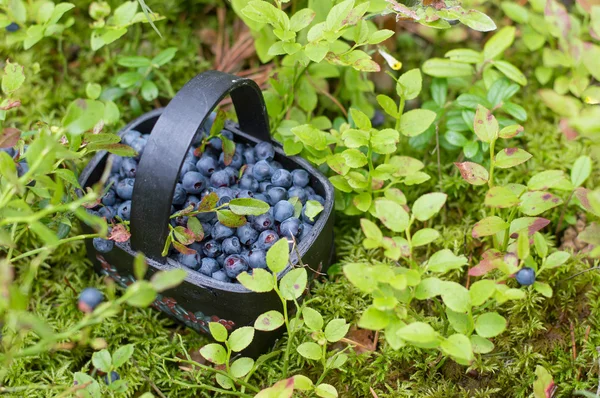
(169, 142)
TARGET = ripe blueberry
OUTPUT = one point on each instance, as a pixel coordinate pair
(247, 234)
(212, 249)
(248, 183)
(108, 212)
(220, 231)
(283, 210)
(291, 227)
(189, 260)
(130, 136)
(138, 145)
(187, 167)
(318, 198)
(261, 170)
(300, 178)
(193, 182)
(264, 151)
(298, 192)
(103, 245)
(109, 198)
(220, 275)
(306, 228)
(89, 299)
(209, 266)
(206, 165)
(231, 245)
(235, 265)
(125, 188)
(114, 376)
(180, 195)
(263, 222)
(525, 276)
(281, 178)
(220, 179)
(124, 210)
(128, 168)
(276, 195)
(257, 259)
(266, 239)
(116, 163)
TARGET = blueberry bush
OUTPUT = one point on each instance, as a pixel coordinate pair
(461, 138)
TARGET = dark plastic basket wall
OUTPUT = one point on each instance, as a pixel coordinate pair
(201, 299)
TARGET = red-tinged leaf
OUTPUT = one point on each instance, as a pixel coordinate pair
(208, 202)
(218, 123)
(511, 157)
(511, 131)
(486, 264)
(198, 151)
(183, 212)
(559, 17)
(9, 137)
(489, 226)
(184, 235)
(485, 125)
(119, 233)
(543, 386)
(228, 150)
(183, 249)
(569, 132)
(473, 173)
(242, 171)
(403, 11)
(196, 228)
(537, 202)
(10, 104)
(532, 224)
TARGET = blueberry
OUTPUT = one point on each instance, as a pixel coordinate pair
(193, 182)
(124, 210)
(233, 174)
(212, 249)
(309, 191)
(264, 186)
(526, 276)
(223, 200)
(107, 212)
(125, 188)
(128, 168)
(209, 266)
(207, 217)
(235, 265)
(220, 231)
(281, 178)
(112, 181)
(306, 228)
(225, 191)
(247, 234)
(266, 239)
(220, 179)
(276, 195)
(22, 168)
(275, 165)
(103, 245)
(180, 195)
(378, 118)
(263, 222)
(215, 143)
(245, 194)
(298, 192)
(220, 275)
(207, 228)
(191, 200)
(114, 376)
(208, 122)
(283, 210)
(264, 151)
(206, 165)
(261, 170)
(116, 163)
(249, 156)
(138, 145)
(189, 260)
(236, 160)
(109, 198)
(248, 183)
(130, 136)
(300, 178)
(306, 219)
(261, 197)
(12, 27)
(11, 152)
(231, 245)
(187, 167)
(318, 198)
(290, 228)
(89, 299)
(221, 259)
(257, 259)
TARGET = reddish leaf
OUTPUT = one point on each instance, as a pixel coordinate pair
(9, 137)
(184, 235)
(533, 224)
(119, 233)
(208, 202)
(228, 150)
(569, 132)
(473, 173)
(183, 212)
(486, 264)
(10, 104)
(183, 249)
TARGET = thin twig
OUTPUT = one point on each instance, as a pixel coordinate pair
(573, 346)
(373, 392)
(328, 95)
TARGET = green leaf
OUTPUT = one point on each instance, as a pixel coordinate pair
(102, 360)
(424, 237)
(82, 115)
(380, 36)
(325, 390)
(281, 389)
(354, 158)
(316, 51)
(248, 206)
(556, 259)
(384, 141)
(392, 215)
(218, 331)
(485, 125)
(428, 205)
(354, 138)
(543, 383)
(361, 276)
(481, 291)
(516, 12)
(511, 131)
(302, 383)
(164, 280)
(312, 319)
(214, 353)
(416, 121)
(93, 90)
(122, 355)
(241, 367)
(499, 43)
(149, 90)
(309, 350)
(230, 219)
(388, 105)
(465, 55)
(140, 294)
(361, 120)
(134, 62)
(481, 345)
(534, 203)
(489, 226)
(510, 157)
(164, 56)
(445, 260)
(543, 288)
(261, 281)
(311, 136)
(439, 67)
(546, 179)
(418, 332)
(582, 168)
(269, 321)
(374, 319)
(278, 256)
(490, 324)
(561, 104)
(456, 297)
(410, 84)
(511, 71)
(337, 15)
(336, 329)
(477, 20)
(501, 197)
(301, 19)
(473, 173)
(240, 338)
(293, 284)
(13, 77)
(458, 346)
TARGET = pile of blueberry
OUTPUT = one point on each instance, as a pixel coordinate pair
(224, 252)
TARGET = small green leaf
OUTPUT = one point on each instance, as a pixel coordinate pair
(481, 291)
(489, 226)
(485, 125)
(214, 353)
(293, 284)
(458, 346)
(309, 350)
(418, 332)
(278, 256)
(537, 202)
(248, 206)
(499, 42)
(481, 345)
(410, 84)
(361, 276)
(361, 120)
(164, 280)
(392, 215)
(428, 205)
(445, 260)
(102, 360)
(388, 105)
(477, 20)
(510, 157)
(122, 355)
(582, 168)
(268, 321)
(473, 173)
(490, 324)
(312, 319)
(556, 259)
(424, 237)
(240, 338)
(374, 319)
(501, 197)
(543, 288)
(336, 329)
(230, 219)
(140, 294)
(261, 281)
(218, 331)
(241, 367)
(312, 208)
(439, 67)
(13, 77)
(416, 121)
(325, 390)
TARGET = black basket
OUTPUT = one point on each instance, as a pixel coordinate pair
(201, 299)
